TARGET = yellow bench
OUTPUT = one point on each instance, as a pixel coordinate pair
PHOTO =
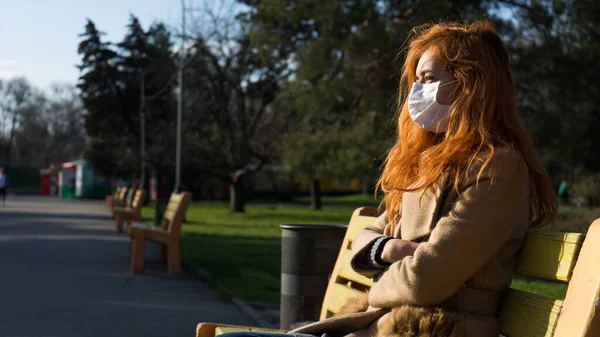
(168, 235)
(572, 258)
(125, 215)
(116, 199)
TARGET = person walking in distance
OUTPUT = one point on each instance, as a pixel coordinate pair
(3, 186)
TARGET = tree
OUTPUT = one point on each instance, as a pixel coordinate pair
(111, 85)
(148, 65)
(14, 95)
(50, 128)
(64, 121)
(554, 48)
(309, 158)
(230, 128)
(101, 91)
(32, 133)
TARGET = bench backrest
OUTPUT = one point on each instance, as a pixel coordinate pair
(117, 193)
(580, 311)
(344, 281)
(122, 194)
(129, 196)
(175, 211)
(138, 200)
(564, 257)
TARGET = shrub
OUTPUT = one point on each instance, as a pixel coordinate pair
(588, 188)
(575, 222)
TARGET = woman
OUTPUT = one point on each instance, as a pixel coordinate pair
(462, 186)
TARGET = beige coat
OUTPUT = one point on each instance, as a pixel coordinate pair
(466, 256)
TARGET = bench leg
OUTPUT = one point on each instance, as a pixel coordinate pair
(109, 202)
(163, 252)
(174, 259)
(138, 253)
(119, 222)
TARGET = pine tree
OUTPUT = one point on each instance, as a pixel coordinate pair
(101, 90)
(111, 84)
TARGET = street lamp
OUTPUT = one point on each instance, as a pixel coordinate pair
(143, 128)
(180, 105)
(180, 101)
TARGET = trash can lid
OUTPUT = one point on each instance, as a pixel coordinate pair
(310, 226)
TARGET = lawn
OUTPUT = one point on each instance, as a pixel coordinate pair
(347, 200)
(242, 252)
(550, 289)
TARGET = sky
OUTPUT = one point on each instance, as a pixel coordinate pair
(39, 38)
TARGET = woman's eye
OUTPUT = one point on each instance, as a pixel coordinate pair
(429, 78)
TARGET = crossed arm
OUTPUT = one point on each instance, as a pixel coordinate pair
(397, 249)
(384, 250)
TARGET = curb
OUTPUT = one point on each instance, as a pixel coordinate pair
(248, 310)
(203, 274)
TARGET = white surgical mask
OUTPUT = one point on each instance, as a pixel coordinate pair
(424, 108)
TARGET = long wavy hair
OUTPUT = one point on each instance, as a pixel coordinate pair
(483, 116)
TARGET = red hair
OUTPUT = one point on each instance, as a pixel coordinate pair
(482, 117)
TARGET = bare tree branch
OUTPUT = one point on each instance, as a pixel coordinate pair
(412, 9)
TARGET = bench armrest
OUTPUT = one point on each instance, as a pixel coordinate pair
(209, 329)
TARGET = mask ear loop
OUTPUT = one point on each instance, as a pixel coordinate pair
(439, 86)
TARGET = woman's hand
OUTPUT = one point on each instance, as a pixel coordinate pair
(397, 249)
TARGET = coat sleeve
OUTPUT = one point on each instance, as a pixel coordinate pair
(363, 243)
(479, 223)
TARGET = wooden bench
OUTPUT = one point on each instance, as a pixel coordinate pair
(571, 258)
(128, 197)
(114, 195)
(125, 215)
(116, 199)
(167, 235)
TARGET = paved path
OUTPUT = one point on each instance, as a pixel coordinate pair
(64, 272)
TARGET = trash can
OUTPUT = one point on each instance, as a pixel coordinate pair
(308, 255)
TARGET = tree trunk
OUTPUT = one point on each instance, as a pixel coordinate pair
(237, 199)
(365, 185)
(315, 195)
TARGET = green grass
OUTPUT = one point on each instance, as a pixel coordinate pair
(242, 252)
(546, 288)
(565, 212)
(351, 200)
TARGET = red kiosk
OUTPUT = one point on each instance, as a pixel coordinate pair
(49, 181)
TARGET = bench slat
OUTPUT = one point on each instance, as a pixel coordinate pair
(169, 214)
(348, 273)
(136, 199)
(549, 255)
(357, 223)
(341, 293)
(226, 329)
(528, 315)
(172, 206)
